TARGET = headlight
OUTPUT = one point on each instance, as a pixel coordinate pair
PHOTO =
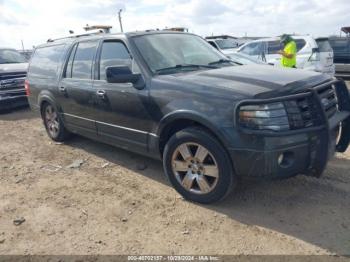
(271, 116)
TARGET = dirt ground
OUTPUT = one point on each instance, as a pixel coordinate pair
(117, 202)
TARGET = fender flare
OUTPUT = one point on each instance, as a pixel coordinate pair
(192, 116)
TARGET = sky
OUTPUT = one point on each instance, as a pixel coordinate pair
(35, 21)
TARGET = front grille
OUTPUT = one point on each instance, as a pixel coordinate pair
(5, 76)
(12, 81)
(303, 112)
(328, 100)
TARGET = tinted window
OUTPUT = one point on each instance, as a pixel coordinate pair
(323, 45)
(46, 60)
(113, 54)
(8, 56)
(83, 58)
(213, 44)
(273, 47)
(226, 43)
(340, 45)
(255, 48)
(161, 51)
(69, 67)
(300, 44)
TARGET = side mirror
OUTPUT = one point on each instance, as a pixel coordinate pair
(123, 74)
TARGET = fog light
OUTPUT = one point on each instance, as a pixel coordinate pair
(280, 159)
(285, 159)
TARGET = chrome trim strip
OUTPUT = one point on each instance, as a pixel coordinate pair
(121, 127)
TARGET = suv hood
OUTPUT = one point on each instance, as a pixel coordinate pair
(12, 68)
(251, 81)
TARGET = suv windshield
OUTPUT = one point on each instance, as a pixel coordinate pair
(226, 44)
(170, 53)
(8, 56)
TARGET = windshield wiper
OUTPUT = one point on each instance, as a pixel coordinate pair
(220, 61)
(183, 66)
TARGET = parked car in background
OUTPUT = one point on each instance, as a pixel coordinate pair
(13, 70)
(341, 49)
(313, 54)
(26, 53)
(171, 96)
(227, 46)
(244, 59)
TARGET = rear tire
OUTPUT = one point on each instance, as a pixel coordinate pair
(53, 123)
(198, 166)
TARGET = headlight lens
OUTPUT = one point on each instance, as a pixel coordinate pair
(271, 116)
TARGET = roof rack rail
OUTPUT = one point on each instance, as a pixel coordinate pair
(100, 31)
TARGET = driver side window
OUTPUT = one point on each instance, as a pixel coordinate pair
(114, 53)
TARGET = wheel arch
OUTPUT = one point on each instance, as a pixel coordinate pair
(46, 97)
(180, 120)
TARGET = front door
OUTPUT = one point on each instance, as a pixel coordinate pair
(121, 109)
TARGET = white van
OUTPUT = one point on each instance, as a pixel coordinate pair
(313, 54)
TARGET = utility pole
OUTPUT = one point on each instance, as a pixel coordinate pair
(22, 45)
(120, 20)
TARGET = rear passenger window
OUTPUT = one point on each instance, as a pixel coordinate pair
(82, 64)
(300, 44)
(113, 53)
(45, 61)
(273, 47)
(69, 67)
(323, 45)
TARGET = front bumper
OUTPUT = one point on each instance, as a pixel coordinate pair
(304, 151)
(11, 102)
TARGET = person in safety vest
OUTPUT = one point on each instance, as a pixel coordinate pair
(289, 51)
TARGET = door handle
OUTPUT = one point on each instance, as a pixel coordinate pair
(63, 89)
(101, 94)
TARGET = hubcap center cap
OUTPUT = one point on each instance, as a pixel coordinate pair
(195, 168)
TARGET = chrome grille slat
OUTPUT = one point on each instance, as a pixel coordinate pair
(304, 112)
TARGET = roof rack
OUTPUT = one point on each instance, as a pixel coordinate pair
(75, 36)
(90, 30)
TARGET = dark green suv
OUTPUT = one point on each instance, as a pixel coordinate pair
(172, 96)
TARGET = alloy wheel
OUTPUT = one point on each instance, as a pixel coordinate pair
(195, 168)
(51, 119)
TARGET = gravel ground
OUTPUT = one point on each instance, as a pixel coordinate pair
(116, 202)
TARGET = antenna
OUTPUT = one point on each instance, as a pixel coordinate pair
(120, 20)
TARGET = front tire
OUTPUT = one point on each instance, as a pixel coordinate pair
(198, 166)
(53, 123)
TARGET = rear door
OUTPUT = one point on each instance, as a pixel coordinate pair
(75, 88)
(272, 56)
(255, 49)
(326, 55)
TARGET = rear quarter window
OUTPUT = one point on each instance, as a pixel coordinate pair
(323, 45)
(46, 61)
(300, 44)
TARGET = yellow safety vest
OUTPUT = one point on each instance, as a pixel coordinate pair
(290, 48)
